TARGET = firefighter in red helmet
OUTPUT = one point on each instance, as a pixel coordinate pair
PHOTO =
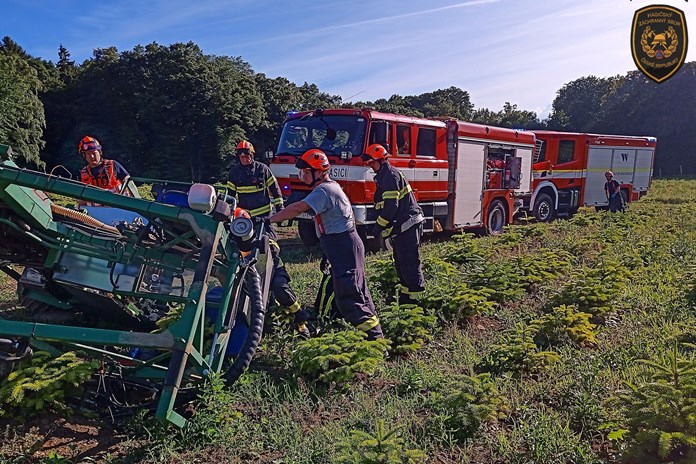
(257, 191)
(399, 221)
(339, 241)
(99, 172)
(612, 189)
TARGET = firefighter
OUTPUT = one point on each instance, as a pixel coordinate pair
(612, 189)
(256, 190)
(100, 172)
(399, 222)
(339, 241)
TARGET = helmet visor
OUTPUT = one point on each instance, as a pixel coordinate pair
(243, 151)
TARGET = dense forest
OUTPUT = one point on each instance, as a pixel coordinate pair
(175, 112)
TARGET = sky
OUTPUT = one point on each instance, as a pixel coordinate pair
(517, 51)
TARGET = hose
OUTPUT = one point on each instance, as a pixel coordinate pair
(257, 316)
(82, 217)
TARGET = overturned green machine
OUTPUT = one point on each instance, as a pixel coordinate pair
(116, 271)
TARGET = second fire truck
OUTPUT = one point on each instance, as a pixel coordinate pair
(569, 171)
(464, 175)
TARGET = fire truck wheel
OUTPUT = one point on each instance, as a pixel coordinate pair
(543, 208)
(308, 234)
(497, 218)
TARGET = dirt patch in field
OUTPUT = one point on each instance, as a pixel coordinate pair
(77, 439)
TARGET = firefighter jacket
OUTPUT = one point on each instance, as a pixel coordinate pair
(255, 188)
(395, 202)
(108, 175)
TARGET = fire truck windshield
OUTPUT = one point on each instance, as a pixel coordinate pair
(333, 134)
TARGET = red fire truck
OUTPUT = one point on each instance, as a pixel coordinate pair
(464, 175)
(569, 171)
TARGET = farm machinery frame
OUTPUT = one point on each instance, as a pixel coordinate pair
(119, 270)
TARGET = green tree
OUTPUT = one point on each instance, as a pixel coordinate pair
(453, 102)
(578, 104)
(513, 118)
(164, 111)
(21, 112)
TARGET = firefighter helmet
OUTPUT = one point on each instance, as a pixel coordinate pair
(313, 159)
(88, 143)
(375, 152)
(608, 174)
(244, 148)
(241, 212)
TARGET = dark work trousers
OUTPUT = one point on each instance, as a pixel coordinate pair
(346, 254)
(406, 249)
(616, 202)
(280, 284)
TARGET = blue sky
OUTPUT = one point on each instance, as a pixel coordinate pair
(521, 51)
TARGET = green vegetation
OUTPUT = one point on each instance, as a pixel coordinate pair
(43, 382)
(565, 342)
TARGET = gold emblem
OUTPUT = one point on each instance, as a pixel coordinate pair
(659, 41)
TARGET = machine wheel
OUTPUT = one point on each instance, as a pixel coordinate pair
(257, 314)
(543, 208)
(308, 234)
(497, 218)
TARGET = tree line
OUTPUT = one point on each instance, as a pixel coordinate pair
(175, 112)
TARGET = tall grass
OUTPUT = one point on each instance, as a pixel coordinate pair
(558, 413)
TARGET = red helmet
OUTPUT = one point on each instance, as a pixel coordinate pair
(241, 212)
(244, 148)
(313, 159)
(375, 152)
(88, 143)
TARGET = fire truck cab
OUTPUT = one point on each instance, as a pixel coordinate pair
(569, 171)
(463, 175)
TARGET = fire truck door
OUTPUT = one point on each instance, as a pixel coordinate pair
(514, 165)
(469, 174)
(526, 155)
(643, 171)
(598, 162)
(623, 165)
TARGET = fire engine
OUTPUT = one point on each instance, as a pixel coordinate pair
(569, 171)
(463, 175)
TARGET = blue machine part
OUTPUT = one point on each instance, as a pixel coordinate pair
(173, 197)
(240, 331)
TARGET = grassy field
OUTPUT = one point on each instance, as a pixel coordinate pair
(537, 337)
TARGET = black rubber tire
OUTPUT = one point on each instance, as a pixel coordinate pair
(256, 316)
(543, 208)
(496, 218)
(308, 233)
